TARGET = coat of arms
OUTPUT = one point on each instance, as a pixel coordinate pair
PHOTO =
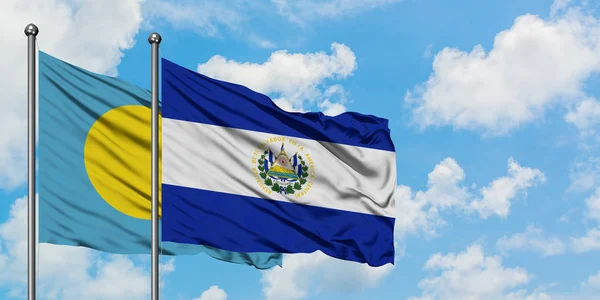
(282, 173)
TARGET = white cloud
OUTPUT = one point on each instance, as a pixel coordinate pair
(428, 51)
(202, 16)
(446, 191)
(168, 267)
(415, 214)
(533, 240)
(589, 242)
(306, 274)
(213, 18)
(261, 42)
(585, 174)
(331, 109)
(213, 293)
(117, 278)
(164, 269)
(335, 98)
(532, 66)
(593, 282)
(524, 295)
(496, 197)
(471, 275)
(559, 6)
(294, 79)
(585, 116)
(286, 105)
(74, 31)
(420, 211)
(302, 11)
(588, 291)
(593, 205)
(68, 272)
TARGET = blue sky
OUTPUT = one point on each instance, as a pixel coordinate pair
(492, 108)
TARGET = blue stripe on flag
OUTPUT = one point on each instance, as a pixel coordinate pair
(197, 98)
(276, 226)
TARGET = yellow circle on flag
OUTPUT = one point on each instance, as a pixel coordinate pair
(117, 156)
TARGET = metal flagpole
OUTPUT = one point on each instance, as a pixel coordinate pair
(154, 40)
(31, 32)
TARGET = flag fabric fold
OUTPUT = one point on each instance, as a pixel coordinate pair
(241, 174)
(94, 166)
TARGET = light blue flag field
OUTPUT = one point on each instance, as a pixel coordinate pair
(268, 180)
(94, 166)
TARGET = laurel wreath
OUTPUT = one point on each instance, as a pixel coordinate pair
(290, 188)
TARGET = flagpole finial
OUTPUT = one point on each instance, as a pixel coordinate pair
(31, 29)
(154, 38)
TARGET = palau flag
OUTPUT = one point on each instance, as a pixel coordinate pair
(263, 179)
(94, 166)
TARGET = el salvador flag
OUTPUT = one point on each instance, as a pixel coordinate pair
(240, 174)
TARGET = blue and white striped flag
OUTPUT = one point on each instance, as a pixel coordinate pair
(240, 174)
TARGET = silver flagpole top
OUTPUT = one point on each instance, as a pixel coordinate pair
(154, 38)
(31, 29)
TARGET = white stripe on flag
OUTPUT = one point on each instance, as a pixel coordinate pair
(220, 159)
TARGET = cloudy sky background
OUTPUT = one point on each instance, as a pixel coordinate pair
(493, 110)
